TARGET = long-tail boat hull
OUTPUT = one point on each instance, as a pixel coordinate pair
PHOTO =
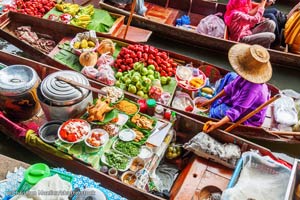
(164, 25)
(185, 127)
(11, 20)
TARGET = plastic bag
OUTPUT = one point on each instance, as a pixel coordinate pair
(183, 101)
(261, 178)
(212, 25)
(202, 142)
(104, 74)
(291, 93)
(105, 59)
(285, 111)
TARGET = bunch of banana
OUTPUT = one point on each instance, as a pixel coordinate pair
(72, 9)
(292, 28)
(69, 8)
(81, 21)
(87, 10)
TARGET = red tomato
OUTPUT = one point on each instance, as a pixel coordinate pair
(145, 56)
(139, 54)
(150, 61)
(135, 60)
(63, 133)
(129, 60)
(170, 73)
(123, 67)
(71, 137)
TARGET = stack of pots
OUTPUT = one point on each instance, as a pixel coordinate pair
(18, 92)
(62, 101)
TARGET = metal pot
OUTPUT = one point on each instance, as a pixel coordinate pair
(18, 92)
(62, 101)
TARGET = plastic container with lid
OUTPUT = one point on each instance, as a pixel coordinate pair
(151, 103)
(159, 111)
(18, 92)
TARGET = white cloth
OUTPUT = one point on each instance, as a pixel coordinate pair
(50, 188)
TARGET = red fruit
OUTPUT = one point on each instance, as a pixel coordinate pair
(129, 60)
(170, 73)
(123, 67)
(189, 108)
(150, 61)
(145, 56)
(135, 60)
(119, 70)
(63, 134)
(139, 54)
(71, 137)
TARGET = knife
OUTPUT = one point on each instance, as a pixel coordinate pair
(156, 130)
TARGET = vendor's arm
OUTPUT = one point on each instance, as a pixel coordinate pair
(210, 126)
(257, 8)
(209, 102)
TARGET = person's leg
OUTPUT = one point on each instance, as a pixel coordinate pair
(265, 26)
(218, 110)
(271, 14)
(264, 39)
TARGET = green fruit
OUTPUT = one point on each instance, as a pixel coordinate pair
(137, 74)
(123, 86)
(146, 89)
(163, 80)
(135, 79)
(144, 71)
(136, 66)
(119, 75)
(150, 72)
(168, 79)
(151, 67)
(146, 96)
(127, 81)
(147, 81)
(140, 93)
(151, 77)
(132, 89)
(139, 85)
(157, 75)
(118, 83)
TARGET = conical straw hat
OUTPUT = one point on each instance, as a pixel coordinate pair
(251, 62)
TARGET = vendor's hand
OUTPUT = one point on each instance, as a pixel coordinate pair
(263, 3)
(210, 126)
(205, 104)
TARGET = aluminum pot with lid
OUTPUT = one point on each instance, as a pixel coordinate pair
(62, 101)
(18, 92)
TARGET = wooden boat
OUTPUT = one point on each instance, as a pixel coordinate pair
(189, 182)
(161, 18)
(64, 33)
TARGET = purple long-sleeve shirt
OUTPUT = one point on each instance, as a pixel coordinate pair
(243, 97)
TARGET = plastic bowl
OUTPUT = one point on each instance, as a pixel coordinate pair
(127, 135)
(129, 178)
(103, 139)
(48, 132)
(83, 124)
(137, 164)
(200, 100)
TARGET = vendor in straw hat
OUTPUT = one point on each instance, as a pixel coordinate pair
(247, 91)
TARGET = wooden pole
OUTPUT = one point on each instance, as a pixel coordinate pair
(130, 18)
(230, 128)
(286, 133)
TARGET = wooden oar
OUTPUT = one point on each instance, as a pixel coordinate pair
(130, 18)
(274, 98)
(74, 83)
(287, 133)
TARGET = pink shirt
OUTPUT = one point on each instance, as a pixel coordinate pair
(242, 23)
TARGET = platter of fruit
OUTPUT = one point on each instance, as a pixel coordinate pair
(83, 42)
(74, 131)
(190, 78)
(140, 79)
